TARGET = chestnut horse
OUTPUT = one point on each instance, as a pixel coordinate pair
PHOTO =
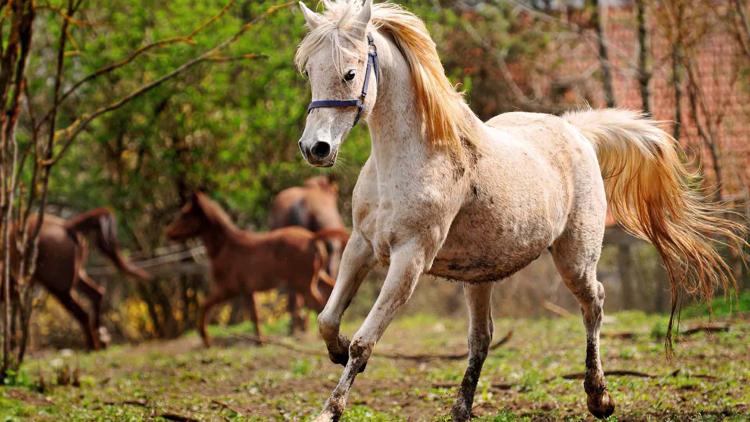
(313, 206)
(63, 250)
(244, 262)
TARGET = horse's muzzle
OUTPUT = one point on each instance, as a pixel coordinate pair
(319, 154)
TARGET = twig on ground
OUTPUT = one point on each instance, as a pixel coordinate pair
(715, 327)
(388, 355)
(276, 342)
(581, 375)
(445, 356)
(625, 335)
(132, 402)
(177, 418)
(613, 372)
(556, 309)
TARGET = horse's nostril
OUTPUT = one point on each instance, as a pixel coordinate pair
(321, 149)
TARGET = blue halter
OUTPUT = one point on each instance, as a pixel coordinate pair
(372, 65)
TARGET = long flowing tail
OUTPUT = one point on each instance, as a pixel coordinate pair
(649, 193)
(101, 222)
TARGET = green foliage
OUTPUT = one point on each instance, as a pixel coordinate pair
(228, 127)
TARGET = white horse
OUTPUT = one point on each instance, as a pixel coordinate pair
(446, 194)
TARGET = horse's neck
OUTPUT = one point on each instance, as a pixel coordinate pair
(216, 236)
(395, 125)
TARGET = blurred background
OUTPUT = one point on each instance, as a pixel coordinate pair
(229, 126)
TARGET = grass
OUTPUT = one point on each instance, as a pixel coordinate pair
(239, 381)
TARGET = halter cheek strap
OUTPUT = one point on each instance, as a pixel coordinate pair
(372, 65)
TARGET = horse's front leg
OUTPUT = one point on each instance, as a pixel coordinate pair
(407, 264)
(356, 262)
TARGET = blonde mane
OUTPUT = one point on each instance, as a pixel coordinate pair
(447, 120)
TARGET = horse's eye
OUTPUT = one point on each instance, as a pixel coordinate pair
(307, 75)
(349, 75)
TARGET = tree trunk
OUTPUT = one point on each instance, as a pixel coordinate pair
(604, 63)
(644, 75)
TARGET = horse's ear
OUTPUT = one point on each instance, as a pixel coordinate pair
(312, 19)
(363, 18)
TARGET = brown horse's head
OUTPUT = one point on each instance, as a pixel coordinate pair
(326, 183)
(191, 221)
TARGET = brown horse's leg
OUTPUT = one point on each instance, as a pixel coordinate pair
(214, 299)
(302, 312)
(95, 293)
(253, 310)
(80, 314)
(291, 306)
(478, 298)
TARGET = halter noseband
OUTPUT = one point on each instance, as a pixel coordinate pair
(372, 64)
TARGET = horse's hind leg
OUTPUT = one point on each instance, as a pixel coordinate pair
(478, 298)
(95, 293)
(80, 314)
(249, 300)
(576, 256)
(296, 312)
(213, 299)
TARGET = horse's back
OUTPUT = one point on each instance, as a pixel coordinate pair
(308, 207)
(285, 208)
(532, 171)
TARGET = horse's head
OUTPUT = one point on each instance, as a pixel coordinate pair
(338, 56)
(191, 220)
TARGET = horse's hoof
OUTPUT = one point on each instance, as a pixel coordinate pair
(326, 416)
(459, 413)
(339, 358)
(104, 337)
(601, 405)
(342, 359)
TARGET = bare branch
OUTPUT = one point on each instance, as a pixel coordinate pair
(69, 134)
(188, 39)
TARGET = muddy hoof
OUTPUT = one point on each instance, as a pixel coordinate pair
(343, 358)
(339, 358)
(601, 406)
(459, 413)
(206, 342)
(326, 416)
(104, 337)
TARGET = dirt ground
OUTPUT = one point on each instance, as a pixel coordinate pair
(709, 378)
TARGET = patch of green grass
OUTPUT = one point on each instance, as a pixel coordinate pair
(238, 380)
(722, 306)
(359, 413)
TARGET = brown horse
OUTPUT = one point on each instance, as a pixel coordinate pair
(63, 250)
(243, 262)
(313, 206)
